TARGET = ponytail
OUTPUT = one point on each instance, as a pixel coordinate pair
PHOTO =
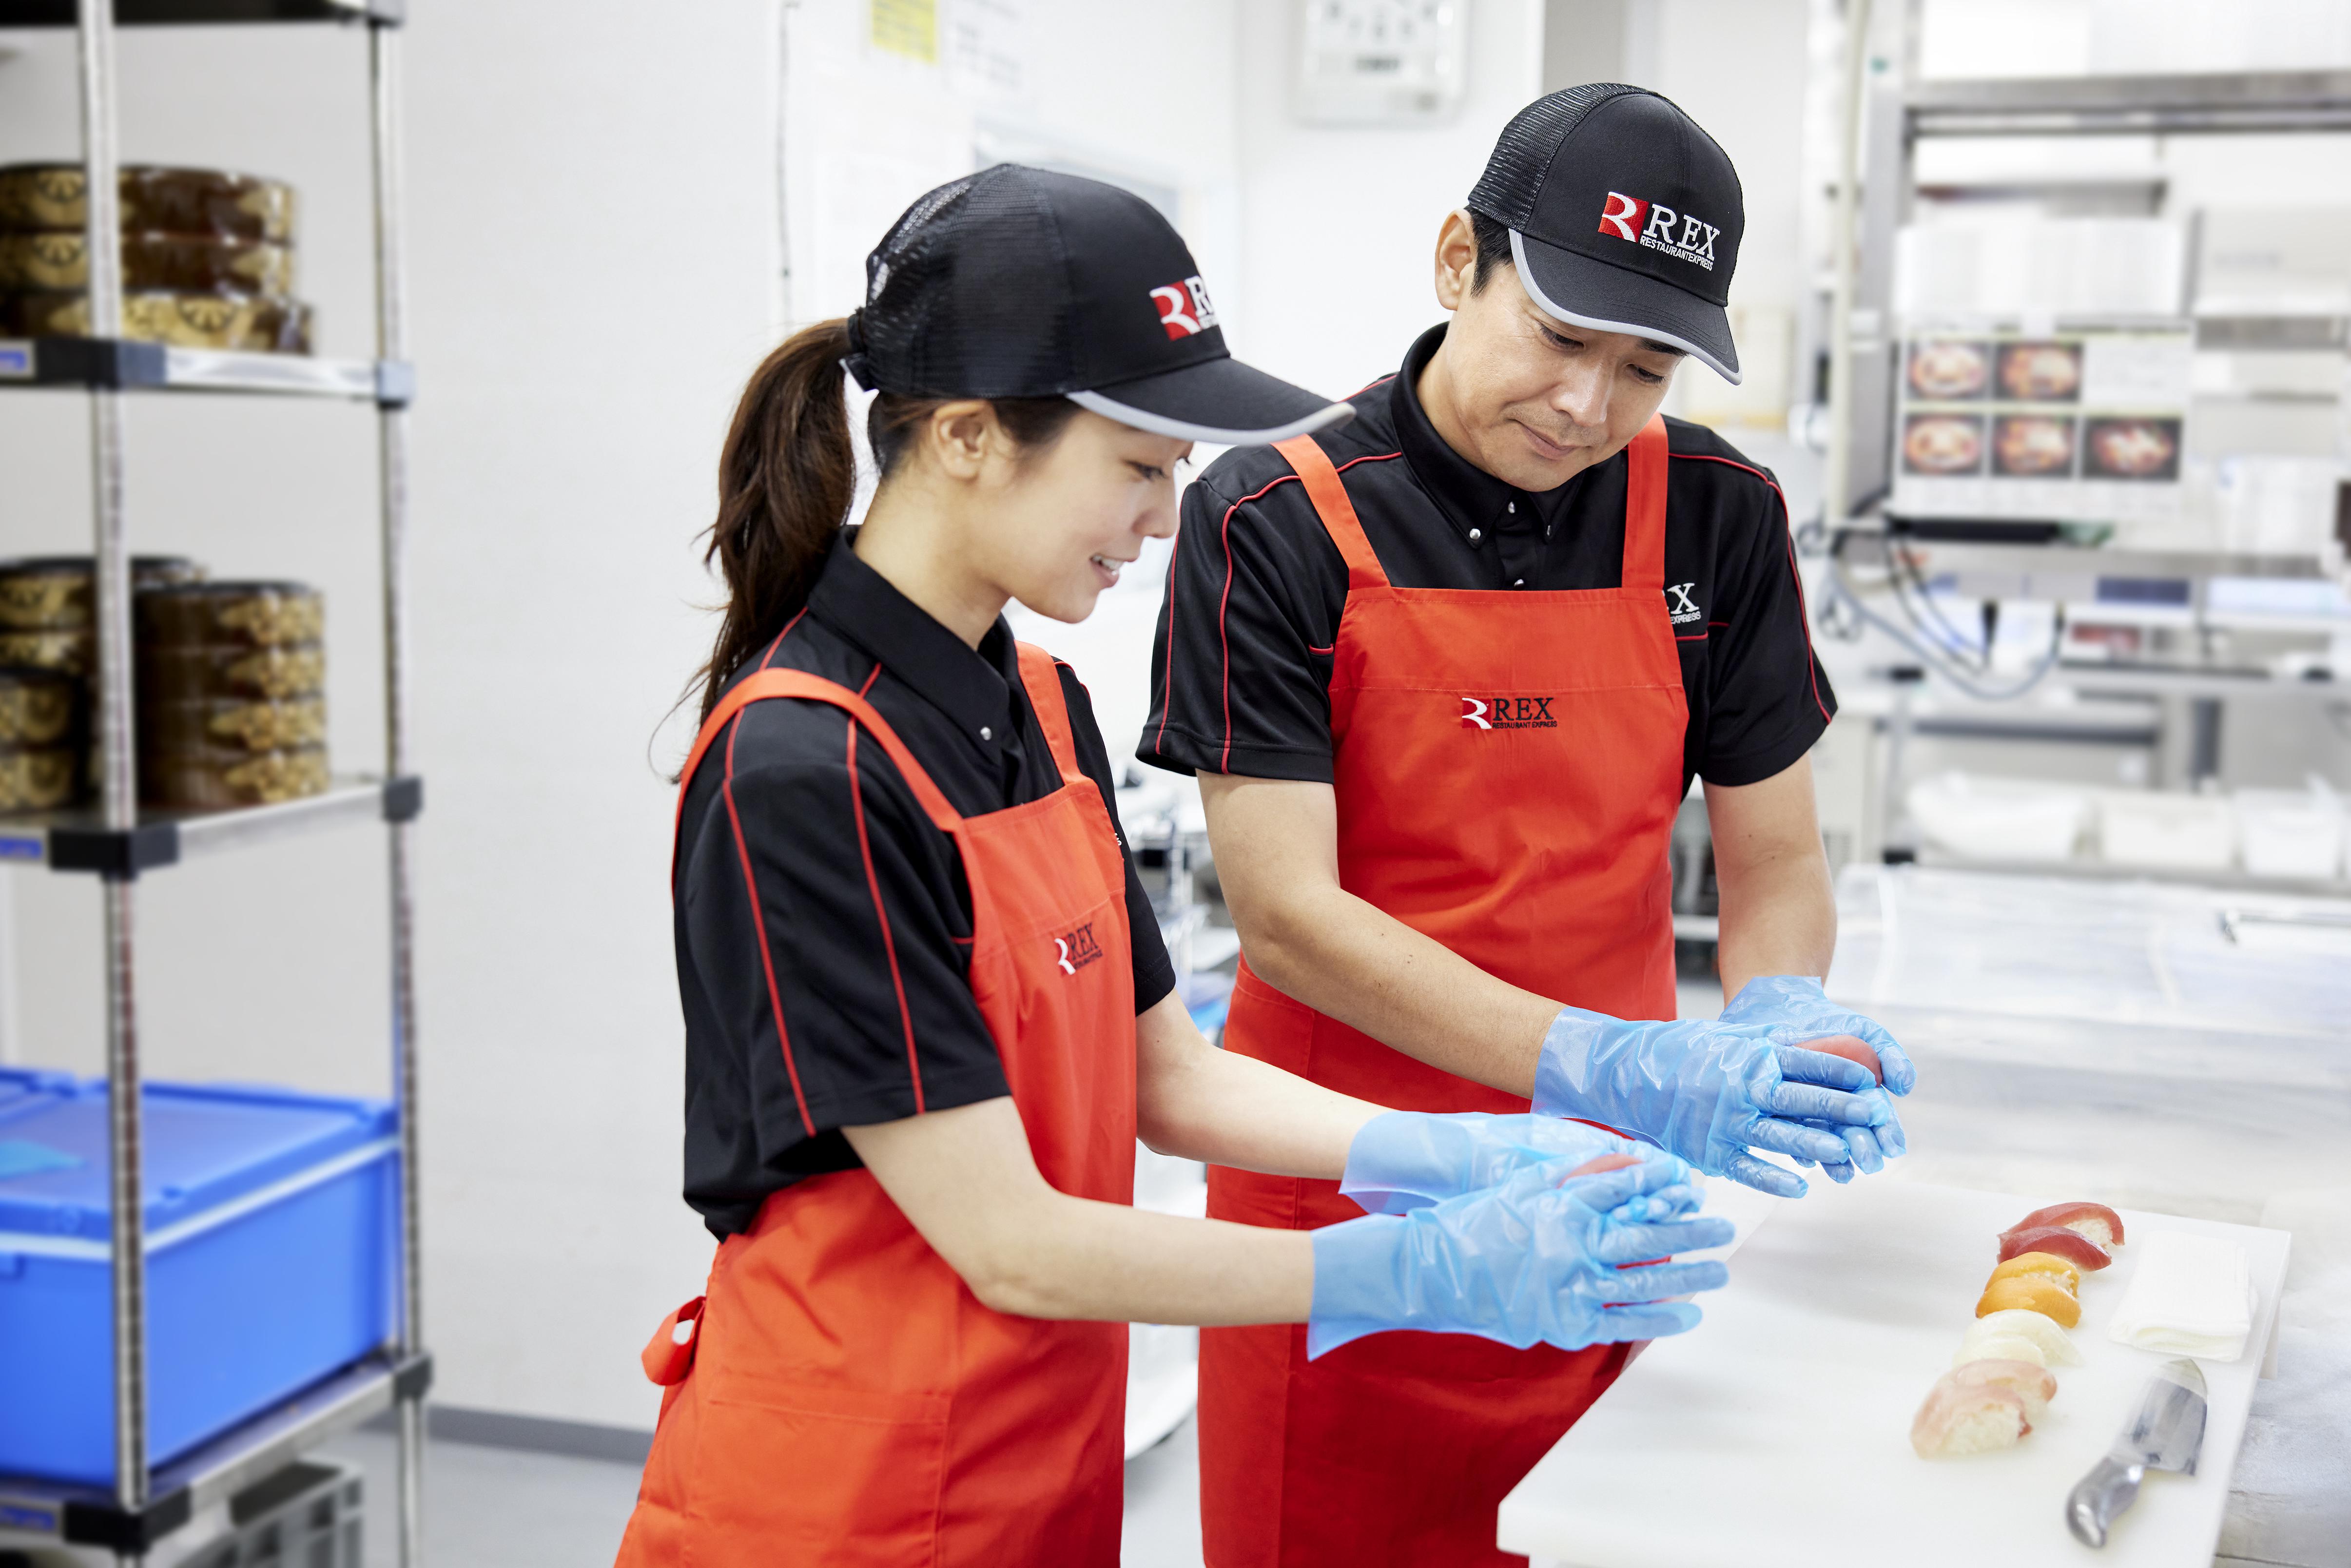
(785, 478)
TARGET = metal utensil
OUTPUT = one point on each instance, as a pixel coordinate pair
(2165, 1435)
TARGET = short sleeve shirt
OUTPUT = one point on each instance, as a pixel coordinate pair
(1242, 670)
(822, 921)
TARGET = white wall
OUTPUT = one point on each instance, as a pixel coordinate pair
(593, 254)
(1341, 222)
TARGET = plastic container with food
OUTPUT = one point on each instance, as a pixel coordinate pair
(74, 651)
(2041, 373)
(40, 777)
(38, 707)
(195, 264)
(58, 593)
(2032, 445)
(243, 323)
(2163, 831)
(153, 198)
(231, 725)
(225, 669)
(2292, 832)
(1998, 819)
(250, 614)
(217, 778)
(1942, 369)
(1943, 443)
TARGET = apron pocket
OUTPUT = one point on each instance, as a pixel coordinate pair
(807, 1473)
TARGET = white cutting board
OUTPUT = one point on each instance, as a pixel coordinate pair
(1777, 1432)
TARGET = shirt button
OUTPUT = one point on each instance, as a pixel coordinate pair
(1520, 583)
(1513, 507)
(986, 733)
(1476, 534)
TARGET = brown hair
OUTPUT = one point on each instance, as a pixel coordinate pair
(787, 474)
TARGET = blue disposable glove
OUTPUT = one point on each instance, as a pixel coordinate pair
(1403, 1160)
(1535, 1259)
(1709, 1092)
(1797, 1002)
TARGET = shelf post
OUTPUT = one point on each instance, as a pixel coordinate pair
(118, 780)
(391, 345)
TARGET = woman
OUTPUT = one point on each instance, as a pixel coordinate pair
(927, 1009)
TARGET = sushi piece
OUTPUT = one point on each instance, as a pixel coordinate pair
(2011, 1323)
(2039, 1265)
(1967, 1419)
(2094, 1220)
(1851, 1048)
(2056, 1239)
(1999, 1347)
(2031, 1294)
(2036, 1386)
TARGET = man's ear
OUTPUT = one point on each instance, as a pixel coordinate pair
(1456, 259)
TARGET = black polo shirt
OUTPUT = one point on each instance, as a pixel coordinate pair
(789, 870)
(1242, 670)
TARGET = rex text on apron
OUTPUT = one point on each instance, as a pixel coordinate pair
(840, 1396)
(1507, 767)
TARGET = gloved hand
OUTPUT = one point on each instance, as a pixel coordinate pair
(1532, 1260)
(1709, 1092)
(1404, 1160)
(1797, 1002)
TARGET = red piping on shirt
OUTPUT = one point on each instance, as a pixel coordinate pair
(1812, 668)
(770, 656)
(889, 944)
(759, 925)
(1224, 640)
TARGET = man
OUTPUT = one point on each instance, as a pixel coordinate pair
(1445, 676)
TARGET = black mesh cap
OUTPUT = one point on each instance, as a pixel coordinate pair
(1625, 217)
(1018, 282)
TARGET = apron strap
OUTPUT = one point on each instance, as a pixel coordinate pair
(1329, 494)
(1645, 508)
(770, 684)
(1053, 710)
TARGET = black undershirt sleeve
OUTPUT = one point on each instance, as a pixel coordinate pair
(1770, 699)
(1155, 972)
(1240, 668)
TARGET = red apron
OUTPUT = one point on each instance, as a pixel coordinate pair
(1507, 766)
(842, 1398)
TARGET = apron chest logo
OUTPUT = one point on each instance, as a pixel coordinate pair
(1075, 949)
(1507, 713)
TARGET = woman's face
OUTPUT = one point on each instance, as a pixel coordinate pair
(1063, 519)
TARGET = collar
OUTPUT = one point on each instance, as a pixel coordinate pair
(972, 688)
(1477, 504)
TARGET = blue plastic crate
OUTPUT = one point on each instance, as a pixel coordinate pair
(271, 1261)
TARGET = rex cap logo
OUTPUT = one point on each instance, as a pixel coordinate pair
(1184, 308)
(1652, 225)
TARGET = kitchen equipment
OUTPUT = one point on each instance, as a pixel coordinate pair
(2166, 831)
(2166, 1434)
(37, 707)
(229, 706)
(269, 1230)
(1797, 1392)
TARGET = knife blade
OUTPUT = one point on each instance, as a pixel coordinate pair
(2166, 1434)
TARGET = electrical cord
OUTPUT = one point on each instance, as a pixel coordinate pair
(1844, 596)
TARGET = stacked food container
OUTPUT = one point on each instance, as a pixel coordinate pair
(231, 679)
(229, 683)
(207, 258)
(48, 650)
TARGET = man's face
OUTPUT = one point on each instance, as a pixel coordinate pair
(1527, 397)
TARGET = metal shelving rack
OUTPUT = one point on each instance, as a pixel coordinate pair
(117, 843)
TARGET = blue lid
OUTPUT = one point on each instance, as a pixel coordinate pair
(206, 1145)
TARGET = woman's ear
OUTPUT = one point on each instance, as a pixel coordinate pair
(959, 436)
